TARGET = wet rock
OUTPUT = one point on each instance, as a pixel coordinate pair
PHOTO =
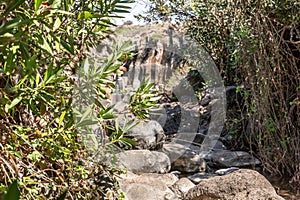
(145, 161)
(183, 158)
(241, 184)
(226, 158)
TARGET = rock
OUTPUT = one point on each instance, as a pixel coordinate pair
(148, 133)
(148, 186)
(145, 161)
(219, 145)
(226, 158)
(242, 184)
(182, 186)
(121, 107)
(198, 177)
(183, 158)
(222, 172)
(198, 138)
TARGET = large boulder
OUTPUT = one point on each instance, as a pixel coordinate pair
(148, 133)
(219, 158)
(183, 158)
(148, 186)
(145, 161)
(242, 184)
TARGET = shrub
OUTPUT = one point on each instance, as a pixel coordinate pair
(42, 45)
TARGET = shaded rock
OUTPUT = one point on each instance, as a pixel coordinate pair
(145, 161)
(148, 186)
(183, 158)
(198, 177)
(242, 184)
(219, 145)
(222, 172)
(226, 158)
(198, 138)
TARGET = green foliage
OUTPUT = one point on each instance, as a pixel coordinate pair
(42, 45)
(13, 192)
(118, 133)
(144, 98)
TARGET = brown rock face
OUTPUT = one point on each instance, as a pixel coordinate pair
(243, 184)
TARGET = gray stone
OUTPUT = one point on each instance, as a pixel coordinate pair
(145, 161)
(222, 172)
(226, 158)
(182, 186)
(198, 177)
(148, 133)
(241, 184)
(183, 158)
(198, 138)
(148, 186)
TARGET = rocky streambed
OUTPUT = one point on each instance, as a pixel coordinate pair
(167, 164)
(180, 152)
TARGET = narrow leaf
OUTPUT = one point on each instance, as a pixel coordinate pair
(13, 192)
(37, 4)
(61, 118)
(57, 24)
(63, 195)
(15, 102)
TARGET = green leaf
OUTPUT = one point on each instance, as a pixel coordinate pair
(15, 102)
(67, 47)
(128, 142)
(13, 192)
(61, 117)
(4, 101)
(87, 122)
(120, 11)
(35, 156)
(10, 25)
(37, 4)
(85, 15)
(24, 51)
(66, 4)
(13, 5)
(46, 46)
(57, 24)
(63, 195)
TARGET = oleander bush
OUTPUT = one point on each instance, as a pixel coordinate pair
(43, 45)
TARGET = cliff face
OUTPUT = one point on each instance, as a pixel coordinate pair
(165, 57)
(158, 54)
